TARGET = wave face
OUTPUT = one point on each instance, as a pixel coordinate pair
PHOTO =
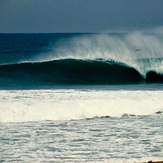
(50, 59)
(69, 71)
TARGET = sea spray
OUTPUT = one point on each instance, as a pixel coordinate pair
(126, 48)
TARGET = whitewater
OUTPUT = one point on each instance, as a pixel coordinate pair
(81, 97)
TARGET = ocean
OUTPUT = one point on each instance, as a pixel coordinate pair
(81, 97)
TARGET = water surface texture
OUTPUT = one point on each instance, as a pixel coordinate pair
(81, 97)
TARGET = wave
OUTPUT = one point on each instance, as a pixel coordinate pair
(69, 104)
(70, 71)
(73, 71)
(81, 59)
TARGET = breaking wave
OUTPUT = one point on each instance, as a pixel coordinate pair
(74, 71)
(82, 59)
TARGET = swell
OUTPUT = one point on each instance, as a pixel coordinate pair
(72, 71)
(69, 71)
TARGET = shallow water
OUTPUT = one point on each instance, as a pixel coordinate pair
(123, 139)
(82, 124)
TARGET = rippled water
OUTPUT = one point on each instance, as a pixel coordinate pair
(124, 139)
(81, 125)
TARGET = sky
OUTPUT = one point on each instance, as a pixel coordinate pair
(36, 16)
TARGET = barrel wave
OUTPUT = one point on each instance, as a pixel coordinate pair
(57, 59)
(72, 71)
(69, 71)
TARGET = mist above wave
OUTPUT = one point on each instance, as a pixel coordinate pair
(126, 48)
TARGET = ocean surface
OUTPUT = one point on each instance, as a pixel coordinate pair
(81, 97)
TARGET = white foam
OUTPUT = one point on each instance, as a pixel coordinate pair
(37, 105)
